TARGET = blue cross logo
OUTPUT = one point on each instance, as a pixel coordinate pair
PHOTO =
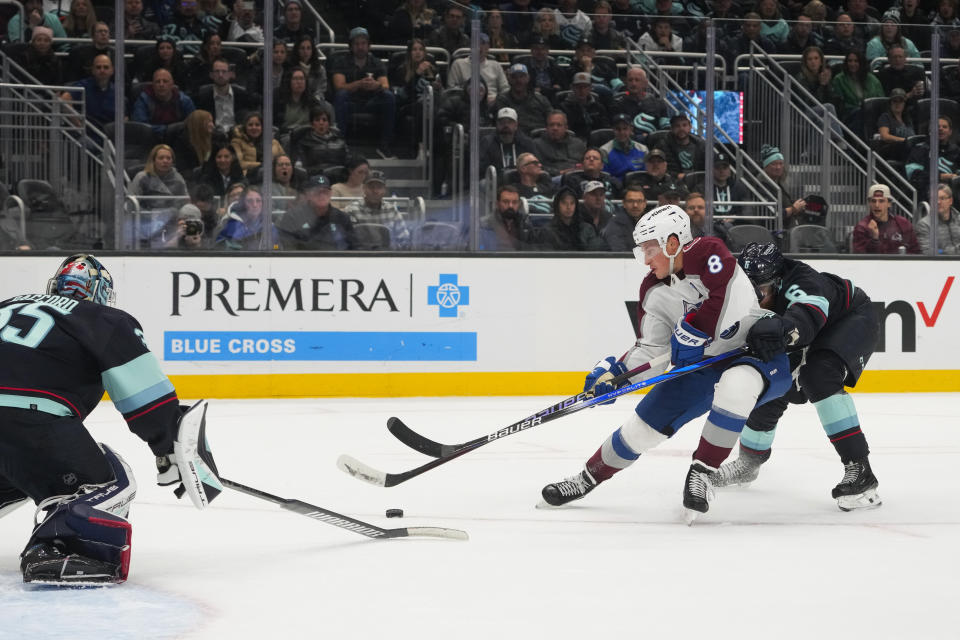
(448, 295)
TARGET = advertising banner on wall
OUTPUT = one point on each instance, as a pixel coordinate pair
(296, 325)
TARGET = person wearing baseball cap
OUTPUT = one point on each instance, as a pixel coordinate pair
(531, 107)
(685, 153)
(546, 76)
(373, 209)
(655, 176)
(502, 148)
(595, 214)
(313, 223)
(602, 70)
(490, 71)
(585, 112)
(726, 187)
(881, 231)
(624, 154)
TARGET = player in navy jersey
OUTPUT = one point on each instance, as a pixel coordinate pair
(60, 350)
(831, 328)
(695, 302)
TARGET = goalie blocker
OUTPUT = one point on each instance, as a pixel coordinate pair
(191, 464)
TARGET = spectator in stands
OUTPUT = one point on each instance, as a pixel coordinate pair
(546, 76)
(293, 101)
(566, 229)
(602, 33)
(774, 165)
(894, 126)
(223, 99)
(98, 92)
(852, 86)
(455, 108)
(626, 20)
(371, 208)
(246, 140)
(574, 23)
(603, 71)
(945, 15)
(243, 225)
(889, 36)
(814, 75)
(136, 27)
(623, 153)
(162, 103)
(773, 25)
(661, 37)
(212, 9)
(883, 232)
(79, 21)
(500, 38)
(685, 153)
(241, 25)
(584, 110)
(39, 59)
(950, 44)
(278, 72)
(186, 232)
(415, 74)
(518, 18)
(313, 223)
(636, 99)
(865, 26)
(323, 147)
(202, 197)
(413, 19)
(234, 193)
(357, 170)
(490, 71)
(696, 208)
(450, 34)
(948, 160)
(81, 56)
(161, 189)
(188, 25)
(506, 228)
(591, 170)
(361, 85)
(914, 22)
(166, 56)
(726, 188)
(726, 15)
(36, 17)
(530, 107)
(801, 37)
(948, 225)
(619, 231)
(897, 74)
(221, 169)
(845, 38)
(558, 148)
(595, 214)
(652, 182)
(285, 186)
(545, 26)
(819, 13)
(749, 34)
(306, 57)
(502, 148)
(534, 183)
(199, 68)
(193, 143)
(293, 28)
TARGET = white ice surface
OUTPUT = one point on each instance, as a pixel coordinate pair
(777, 560)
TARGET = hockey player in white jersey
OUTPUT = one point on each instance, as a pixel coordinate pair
(695, 302)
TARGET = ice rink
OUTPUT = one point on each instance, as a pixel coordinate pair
(777, 560)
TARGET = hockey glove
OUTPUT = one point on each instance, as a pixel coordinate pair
(600, 380)
(687, 344)
(190, 466)
(770, 335)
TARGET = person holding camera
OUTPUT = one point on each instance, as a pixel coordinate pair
(187, 234)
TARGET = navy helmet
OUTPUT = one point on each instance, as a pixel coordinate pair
(763, 264)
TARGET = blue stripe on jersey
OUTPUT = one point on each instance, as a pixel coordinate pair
(620, 447)
(757, 440)
(726, 420)
(34, 403)
(837, 413)
(136, 383)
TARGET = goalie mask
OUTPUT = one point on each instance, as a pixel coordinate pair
(83, 277)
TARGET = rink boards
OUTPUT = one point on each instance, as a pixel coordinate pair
(277, 326)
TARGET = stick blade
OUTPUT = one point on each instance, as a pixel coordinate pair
(361, 471)
(435, 532)
(414, 440)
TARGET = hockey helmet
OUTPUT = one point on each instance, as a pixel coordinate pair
(763, 264)
(660, 224)
(83, 277)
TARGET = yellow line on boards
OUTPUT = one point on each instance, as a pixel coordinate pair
(513, 383)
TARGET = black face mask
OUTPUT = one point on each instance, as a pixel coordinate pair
(509, 214)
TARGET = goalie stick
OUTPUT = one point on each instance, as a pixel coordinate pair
(345, 522)
(366, 473)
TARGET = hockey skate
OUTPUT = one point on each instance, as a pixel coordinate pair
(573, 488)
(742, 471)
(858, 489)
(46, 563)
(697, 491)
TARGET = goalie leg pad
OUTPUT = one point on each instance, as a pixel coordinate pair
(198, 471)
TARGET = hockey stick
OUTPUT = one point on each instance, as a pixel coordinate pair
(365, 472)
(345, 522)
(425, 445)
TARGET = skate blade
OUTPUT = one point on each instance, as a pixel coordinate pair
(869, 499)
(543, 504)
(690, 516)
(72, 584)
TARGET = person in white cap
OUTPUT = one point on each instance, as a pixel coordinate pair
(503, 147)
(881, 231)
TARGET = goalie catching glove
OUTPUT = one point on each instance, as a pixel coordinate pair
(770, 335)
(191, 465)
(600, 380)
